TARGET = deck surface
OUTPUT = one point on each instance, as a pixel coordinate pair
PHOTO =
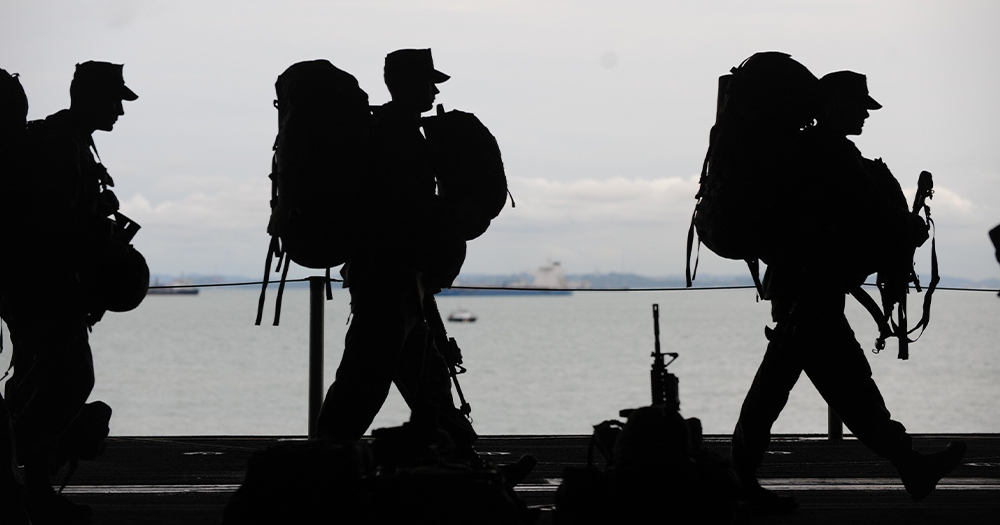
(188, 480)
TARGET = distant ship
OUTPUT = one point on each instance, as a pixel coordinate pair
(462, 316)
(548, 280)
(171, 291)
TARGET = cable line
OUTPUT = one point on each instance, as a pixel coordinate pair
(539, 289)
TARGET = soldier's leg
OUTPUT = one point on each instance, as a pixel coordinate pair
(11, 490)
(777, 374)
(842, 375)
(423, 380)
(21, 360)
(61, 380)
(837, 366)
(378, 329)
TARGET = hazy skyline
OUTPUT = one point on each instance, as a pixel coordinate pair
(602, 110)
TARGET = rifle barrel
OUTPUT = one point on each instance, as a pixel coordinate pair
(656, 330)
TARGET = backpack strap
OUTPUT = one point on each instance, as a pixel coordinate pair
(271, 250)
(281, 286)
(754, 266)
(898, 328)
(884, 331)
(925, 317)
(689, 272)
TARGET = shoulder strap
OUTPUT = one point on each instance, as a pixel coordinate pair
(691, 273)
(925, 317)
(884, 331)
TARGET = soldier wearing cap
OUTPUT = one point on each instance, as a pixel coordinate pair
(406, 249)
(61, 254)
(857, 219)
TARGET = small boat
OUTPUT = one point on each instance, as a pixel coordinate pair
(462, 316)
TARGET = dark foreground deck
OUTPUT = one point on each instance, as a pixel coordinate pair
(188, 480)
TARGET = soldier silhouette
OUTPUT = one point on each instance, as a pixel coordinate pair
(61, 257)
(13, 112)
(856, 220)
(995, 237)
(408, 247)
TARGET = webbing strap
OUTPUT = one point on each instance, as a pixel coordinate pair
(754, 266)
(690, 274)
(935, 279)
(281, 292)
(884, 331)
(267, 272)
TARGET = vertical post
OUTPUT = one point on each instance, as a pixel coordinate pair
(835, 428)
(317, 286)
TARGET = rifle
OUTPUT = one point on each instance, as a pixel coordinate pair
(448, 348)
(894, 287)
(663, 384)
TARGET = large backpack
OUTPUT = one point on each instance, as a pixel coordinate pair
(318, 156)
(13, 125)
(656, 471)
(467, 164)
(13, 114)
(760, 107)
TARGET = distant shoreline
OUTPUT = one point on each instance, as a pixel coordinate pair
(592, 280)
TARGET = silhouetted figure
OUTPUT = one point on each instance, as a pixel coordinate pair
(13, 112)
(848, 217)
(995, 237)
(407, 248)
(62, 254)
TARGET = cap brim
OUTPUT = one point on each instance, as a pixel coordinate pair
(128, 94)
(438, 77)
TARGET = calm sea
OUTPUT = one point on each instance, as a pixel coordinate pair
(537, 365)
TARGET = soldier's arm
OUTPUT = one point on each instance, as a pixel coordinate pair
(59, 174)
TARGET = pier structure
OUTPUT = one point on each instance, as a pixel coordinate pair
(188, 480)
(836, 479)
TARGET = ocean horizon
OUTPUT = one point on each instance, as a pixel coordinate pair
(196, 365)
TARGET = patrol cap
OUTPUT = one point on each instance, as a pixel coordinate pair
(412, 64)
(849, 84)
(102, 77)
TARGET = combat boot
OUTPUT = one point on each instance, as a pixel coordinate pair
(45, 506)
(920, 473)
(760, 501)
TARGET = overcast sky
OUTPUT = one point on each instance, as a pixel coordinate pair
(602, 110)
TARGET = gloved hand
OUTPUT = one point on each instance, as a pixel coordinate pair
(107, 203)
(917, 231)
